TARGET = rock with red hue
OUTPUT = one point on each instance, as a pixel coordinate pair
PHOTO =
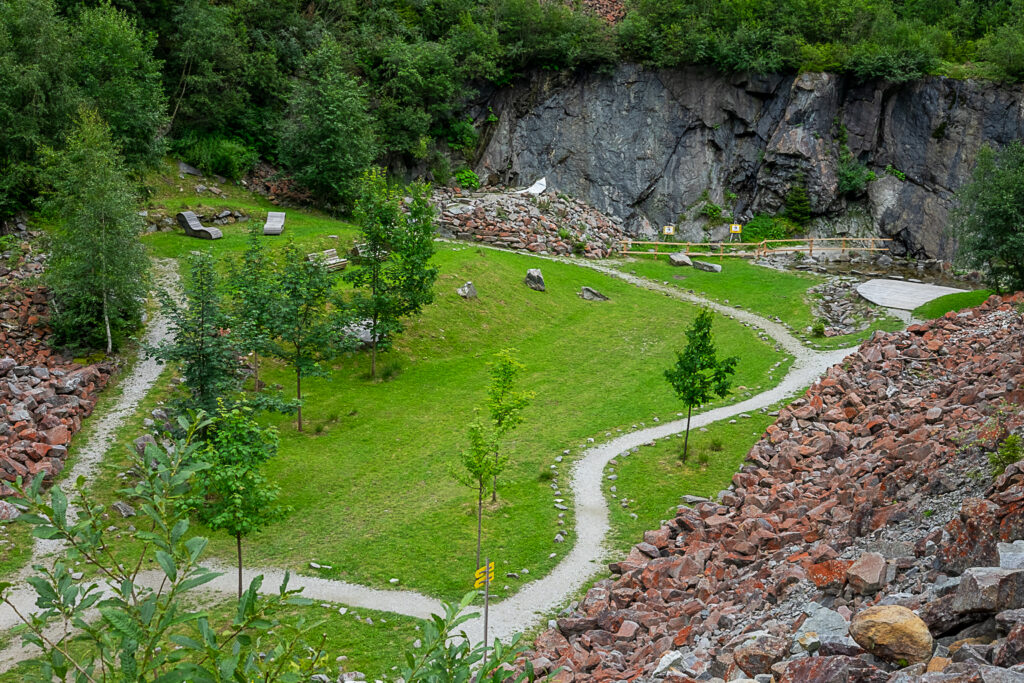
(758, 655)
(867, 574)
(972, 538)
(836, 669)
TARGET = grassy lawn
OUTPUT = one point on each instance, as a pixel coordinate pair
(369, 480)
(368, 641)
(654, 478)
(766, 291)
(951, 302)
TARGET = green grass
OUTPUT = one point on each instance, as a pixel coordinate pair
(769, 292)
(654, 478)
(951, 302)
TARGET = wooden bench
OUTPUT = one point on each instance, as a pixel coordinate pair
(329, 258)
(189, 222)
(274, 224)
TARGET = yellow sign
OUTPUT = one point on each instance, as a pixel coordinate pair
(480, 575)
(735, 229)
(668, 230)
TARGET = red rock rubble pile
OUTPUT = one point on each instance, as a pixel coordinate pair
(43, 395)
(611, 11)
(864, 539)
(545, 224)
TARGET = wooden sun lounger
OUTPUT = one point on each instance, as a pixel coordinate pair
(330, 259)
(189, 222)
(274, 224)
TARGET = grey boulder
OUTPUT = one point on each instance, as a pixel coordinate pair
(534, 279)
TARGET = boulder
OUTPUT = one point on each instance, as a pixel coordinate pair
(892, 633)
(707, 267)
(534, 279)
(589, 294)
(679, 259)
(867, 574)
(467, 291)
(989, 589)
(837, 669)
(758, 655)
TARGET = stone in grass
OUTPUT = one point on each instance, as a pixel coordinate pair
(707, 267)
(534, 279)
(124, 509)
(591, 294)
(393, 581)
(679, 259)
(467, 291)
(315, 565)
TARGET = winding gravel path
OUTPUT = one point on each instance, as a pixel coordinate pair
(525, 608)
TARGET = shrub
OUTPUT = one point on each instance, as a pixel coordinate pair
(716, 445)
(853, 176)
(762, 227)
(711, 211)
(895, 172)
(798, 204)
(818, 328)
(466, 178)
(1011, 450)
(216, 154)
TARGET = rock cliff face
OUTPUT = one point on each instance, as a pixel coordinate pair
(651, 146)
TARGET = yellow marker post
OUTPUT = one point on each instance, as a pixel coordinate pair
(484, 575)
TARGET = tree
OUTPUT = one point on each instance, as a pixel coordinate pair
(481, 464)
(98, 269)
(305, 333)
(504, 402)
(698, 374)
(201, 338)
(252, 287)
(989, 218)
(231, 494)
(149, 627)
(327, 139)
(395, 274)
(798, 203)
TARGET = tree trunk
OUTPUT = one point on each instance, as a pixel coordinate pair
(256, 369)
(479, 519)
(238, 538)
(106, 324)
(298, 393)
(686, 439)
(494, 491)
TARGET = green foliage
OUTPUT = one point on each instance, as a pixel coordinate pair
(479, 466)
(201, 339)
(989, 220)
(252, 297)
(395, 278)
(504, 402)
(447, 657)
(711, 211)
(467, 178)
(98, 268)
(895, 172)
(698, 374)
(818, 328)
(1004, 48)
(231, 493)
(216, 154)
(762, 227)
(327, 140)
(143, 633)
(798, 203)
(1011, 450)
(853, 175)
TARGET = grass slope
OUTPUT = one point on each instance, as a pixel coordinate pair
(951, 302)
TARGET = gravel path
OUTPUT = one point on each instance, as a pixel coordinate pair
(522, 610)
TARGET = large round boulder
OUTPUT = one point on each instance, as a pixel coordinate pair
(893, 633)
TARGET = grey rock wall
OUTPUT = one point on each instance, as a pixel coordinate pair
(647, 145)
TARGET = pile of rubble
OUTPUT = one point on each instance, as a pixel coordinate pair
(864, 539)
(611, 11)
(43, 395)
(840, 307)
(546, 224)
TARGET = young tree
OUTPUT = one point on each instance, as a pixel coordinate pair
(481, 464)
(698, 374)
(327, 140)
(989, 221)
(231, 494)
(201, 338)
(305, 333)
(252, 288)
(798, 203)
(98, 268)
(504, 402)
(152, 627)
(395, 274)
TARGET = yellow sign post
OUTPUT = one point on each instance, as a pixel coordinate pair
(668, 230)
(735, 229)
(484, 575)
(481, 580)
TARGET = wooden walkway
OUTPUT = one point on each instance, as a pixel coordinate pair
(901, 294)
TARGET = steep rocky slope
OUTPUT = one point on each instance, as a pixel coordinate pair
(650, 146)
(861, 541)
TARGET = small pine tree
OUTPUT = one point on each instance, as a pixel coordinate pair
(798, 203)
(698, 374)
(201, 337)
(98, 269)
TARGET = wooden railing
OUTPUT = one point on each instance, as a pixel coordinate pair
(757, 249)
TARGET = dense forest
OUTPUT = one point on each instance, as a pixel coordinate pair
(323, 88)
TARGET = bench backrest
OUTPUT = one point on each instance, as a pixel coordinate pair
(275, 218)
(331, 254)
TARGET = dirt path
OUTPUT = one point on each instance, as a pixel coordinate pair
(522, 610)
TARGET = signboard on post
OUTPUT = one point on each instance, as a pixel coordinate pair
(484, 575)
(735, 229)
(668, 230)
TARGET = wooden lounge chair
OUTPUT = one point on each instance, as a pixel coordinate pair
(329, 258)
(189, 222)
(274, 224)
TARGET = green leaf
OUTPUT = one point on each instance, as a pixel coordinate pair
(195, 546)
(166, 563)
(60, 506)
(198, 580)
(122, 623)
